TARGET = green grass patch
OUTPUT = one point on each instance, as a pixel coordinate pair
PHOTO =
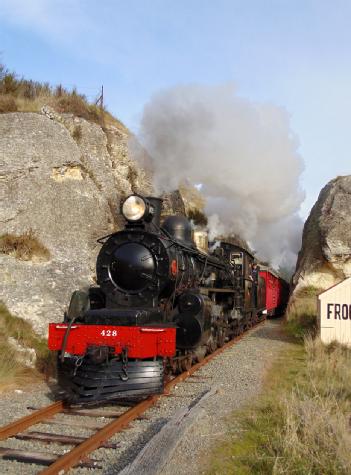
(302, 324)
(301, 313)
(12, 370)
(300, 425)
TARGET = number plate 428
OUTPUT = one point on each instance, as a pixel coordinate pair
(108, 333)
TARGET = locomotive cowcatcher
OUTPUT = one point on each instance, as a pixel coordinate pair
(163, 301)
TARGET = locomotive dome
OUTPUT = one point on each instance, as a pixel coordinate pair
(179, 228)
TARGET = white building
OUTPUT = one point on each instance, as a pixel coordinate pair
(334, 308)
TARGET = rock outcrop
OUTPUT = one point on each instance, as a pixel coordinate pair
(62, 178)
(325, 256)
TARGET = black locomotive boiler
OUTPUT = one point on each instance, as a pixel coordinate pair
(163, 301)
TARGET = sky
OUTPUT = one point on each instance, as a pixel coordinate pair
(293, 54)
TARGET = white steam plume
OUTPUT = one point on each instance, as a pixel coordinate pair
(243, 154)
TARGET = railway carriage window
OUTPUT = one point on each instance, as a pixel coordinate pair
(236, 258)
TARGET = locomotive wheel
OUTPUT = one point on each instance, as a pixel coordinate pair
(186, 363)
(236, 329)
(212, 345)
(220, 337)
(200, 354)
(174, 366)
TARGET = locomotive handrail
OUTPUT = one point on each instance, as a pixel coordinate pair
(65, 326)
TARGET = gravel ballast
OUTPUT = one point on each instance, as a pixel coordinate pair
(237, 374)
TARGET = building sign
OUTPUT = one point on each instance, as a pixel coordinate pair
(334, 306)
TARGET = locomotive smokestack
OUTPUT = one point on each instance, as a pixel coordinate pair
(157, 205)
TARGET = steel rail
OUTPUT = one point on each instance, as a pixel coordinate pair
(21, 424)
(72, 458)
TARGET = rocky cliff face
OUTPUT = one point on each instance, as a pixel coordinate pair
(62, 178)
(325, 256)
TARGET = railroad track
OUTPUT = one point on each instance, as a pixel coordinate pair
(83, 446)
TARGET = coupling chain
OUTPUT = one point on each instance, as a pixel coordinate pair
(124, 375)
(77, 364)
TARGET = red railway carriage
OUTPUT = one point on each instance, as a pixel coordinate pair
(277, 291)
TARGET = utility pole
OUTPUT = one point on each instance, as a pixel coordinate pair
(100, 102)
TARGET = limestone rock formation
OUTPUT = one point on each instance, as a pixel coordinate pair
(325, 256)
(186, 200)
(173, 203)
(62, 178)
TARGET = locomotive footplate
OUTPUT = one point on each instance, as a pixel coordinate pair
(90, 382)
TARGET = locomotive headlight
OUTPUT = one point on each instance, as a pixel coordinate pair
(134, 208)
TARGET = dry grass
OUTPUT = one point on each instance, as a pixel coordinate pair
(77, 133)
(302, 312)
(302, 423)
(77, 105)
(32, 105)
(7, 104)
(25, 247)
(316, 436)
(22, 95)
(13, 372)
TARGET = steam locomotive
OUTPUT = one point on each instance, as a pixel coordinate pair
(163, 301)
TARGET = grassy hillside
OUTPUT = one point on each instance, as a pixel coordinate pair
(23, 95)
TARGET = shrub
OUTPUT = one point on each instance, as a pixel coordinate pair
(60, 91)
(7, 104)
(9, 84)
(29, 90)
(77, 133)
(24, 247)
(302, 312)
(198, 217)
(77, 105)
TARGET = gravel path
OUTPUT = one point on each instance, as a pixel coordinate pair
(238, 373)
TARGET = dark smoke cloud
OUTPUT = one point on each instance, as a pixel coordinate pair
(242, 154)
